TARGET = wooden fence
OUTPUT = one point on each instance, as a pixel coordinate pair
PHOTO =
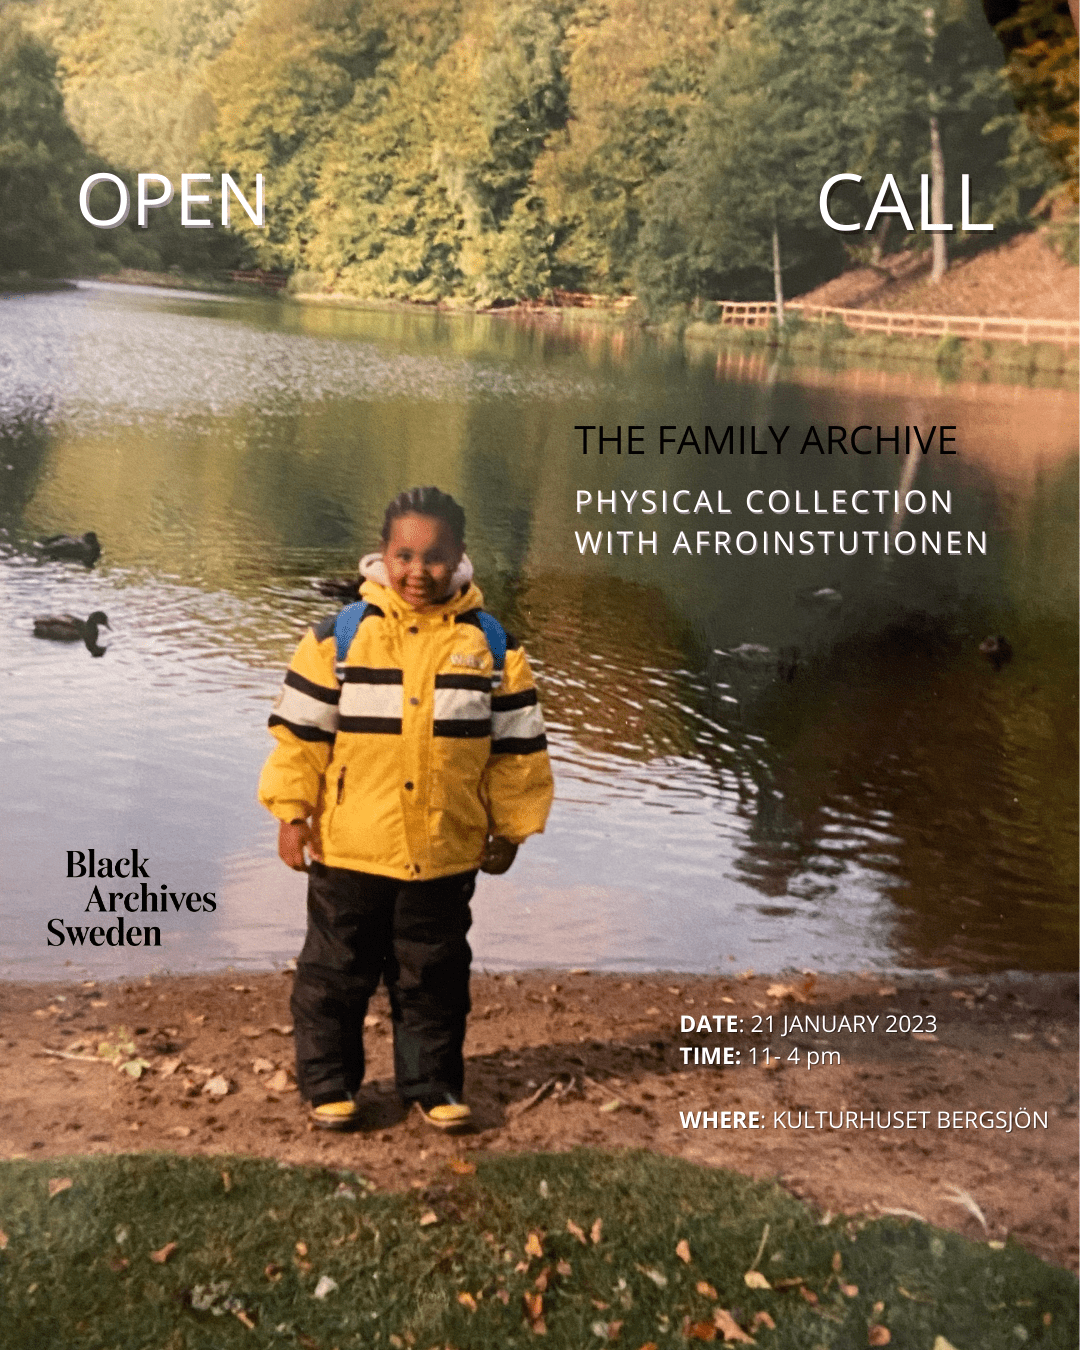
(273, 281)
(760, 313)
(583, 300)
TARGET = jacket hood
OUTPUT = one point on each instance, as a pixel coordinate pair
(375, 586)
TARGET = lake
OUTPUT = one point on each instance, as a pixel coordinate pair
(770, 762)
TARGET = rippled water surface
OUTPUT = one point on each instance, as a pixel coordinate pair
(760, 762)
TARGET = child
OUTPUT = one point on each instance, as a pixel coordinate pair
(411, 752)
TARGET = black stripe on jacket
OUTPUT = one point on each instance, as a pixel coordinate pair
(309, 687)
(518, 745)
(302, 733)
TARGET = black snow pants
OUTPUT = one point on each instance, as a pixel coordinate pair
(412, 935)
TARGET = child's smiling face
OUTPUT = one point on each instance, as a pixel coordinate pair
(421, 556)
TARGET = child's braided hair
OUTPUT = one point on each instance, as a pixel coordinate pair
(426, 501)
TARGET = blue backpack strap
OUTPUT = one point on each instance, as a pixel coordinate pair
(345, 626)
(496, 637)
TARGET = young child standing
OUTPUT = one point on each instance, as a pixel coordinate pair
(410, 753)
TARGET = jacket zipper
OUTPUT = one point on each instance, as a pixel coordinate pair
(340, 787)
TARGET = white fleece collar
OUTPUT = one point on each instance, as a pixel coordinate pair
(372, 568)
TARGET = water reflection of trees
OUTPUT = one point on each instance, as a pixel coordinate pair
(24, 447)
(896, 753)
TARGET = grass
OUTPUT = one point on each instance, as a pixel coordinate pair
(455, 1266)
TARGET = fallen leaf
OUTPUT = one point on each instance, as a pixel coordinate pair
(534, 1306)
(167, 1067)
(849, 1290)
(281, 1028)
(428, 1218)
(541, 1281)
(703, 1287)
(940, 1343)
(729, 1328)
(3, 1240)
(281, 1082)
(325, 1286)
(699, 1331)
(461, 1168)
(612, 1105)
(682, 1250)
(658, 1277)
(791, 1283)
(753, 1279)
(274, 1272)
(534, 1245)
(564, 1268)
(218, 1086)
(117, 1263)
(226, 1182)
(163, 1253)
(239, 988)
(596, 1230)
(261, 1065)
(58, 1184)
(876, 1334)
(600, 1305)
(503, 1295)
(301, 1249)
(467, 1301)
(879, 1308)
(251, 1032)
(649, 1345)
(779, 991)
(887, 991)
(607, 1331)
(837, 1262)
(808, 1294)
(762, 1319)
(575, 1231)
(181, 1131)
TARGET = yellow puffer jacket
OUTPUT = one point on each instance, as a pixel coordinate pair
(415, 749)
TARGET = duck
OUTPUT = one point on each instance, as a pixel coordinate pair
(338, 588)
(84, 548)
(69, 628)
(997, 650)
(825, 596)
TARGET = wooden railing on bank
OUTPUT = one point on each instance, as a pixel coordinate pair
(584, 300)
(255, 276)
(760, 313)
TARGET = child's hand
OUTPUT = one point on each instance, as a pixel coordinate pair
(293, 837)
(498, 855)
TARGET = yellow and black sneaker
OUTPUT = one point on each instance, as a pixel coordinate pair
(338, 1112)
(444, 1112)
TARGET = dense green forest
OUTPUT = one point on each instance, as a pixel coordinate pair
(493, 150)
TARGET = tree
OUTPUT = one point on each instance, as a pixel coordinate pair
(742, 192)
(42, 161)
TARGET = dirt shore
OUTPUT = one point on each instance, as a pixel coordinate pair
(559, 1059)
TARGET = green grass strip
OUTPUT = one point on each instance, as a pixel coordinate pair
(272, 1255)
